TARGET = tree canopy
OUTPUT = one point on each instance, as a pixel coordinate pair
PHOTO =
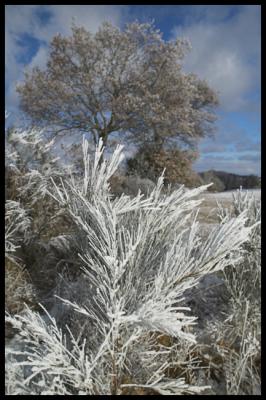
(128, 82)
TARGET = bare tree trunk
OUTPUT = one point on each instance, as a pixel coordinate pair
(104, 136)
(158, 141)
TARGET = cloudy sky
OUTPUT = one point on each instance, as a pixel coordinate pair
(226, 51)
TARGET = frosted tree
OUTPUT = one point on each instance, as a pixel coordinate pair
(128, 82)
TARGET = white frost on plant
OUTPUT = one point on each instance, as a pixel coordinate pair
(140, 256)
(17, 223)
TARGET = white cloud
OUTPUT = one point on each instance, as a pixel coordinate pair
(233, 149)
(88, 16)
(23, 19)
(210, 147)
(226, 52)
(235, 166)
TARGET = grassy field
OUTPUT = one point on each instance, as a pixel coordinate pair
(209, 207)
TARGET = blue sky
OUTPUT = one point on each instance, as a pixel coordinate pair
(226, 51)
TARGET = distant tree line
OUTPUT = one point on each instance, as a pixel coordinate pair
(228, 181)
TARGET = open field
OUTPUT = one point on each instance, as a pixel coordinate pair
(208, 208)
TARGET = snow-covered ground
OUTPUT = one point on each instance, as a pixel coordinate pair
(228, 194)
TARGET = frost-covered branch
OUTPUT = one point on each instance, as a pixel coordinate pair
(139, 257)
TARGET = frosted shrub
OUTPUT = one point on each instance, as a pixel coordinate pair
(245, 283)
(29, 167)
(138, 256)
(240, 333)
(17, 223)
(18, 288)
(28, 156)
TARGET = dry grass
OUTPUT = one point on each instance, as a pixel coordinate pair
(208, 208)
(18, 291)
